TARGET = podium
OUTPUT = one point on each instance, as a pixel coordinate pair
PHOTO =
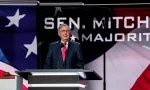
(57, 79)
(11, 83)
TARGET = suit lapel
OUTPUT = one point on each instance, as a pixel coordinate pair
(69, 49)
(60, 53)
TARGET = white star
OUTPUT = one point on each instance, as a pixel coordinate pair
(15, 19)
(57, 9)
(75, 32)
(31, 47)
(72, 38)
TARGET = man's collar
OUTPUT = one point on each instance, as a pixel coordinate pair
(63, 42)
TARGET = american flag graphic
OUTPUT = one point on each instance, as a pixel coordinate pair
(18, 47)
(127, 63)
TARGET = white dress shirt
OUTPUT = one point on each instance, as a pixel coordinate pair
(66, 44)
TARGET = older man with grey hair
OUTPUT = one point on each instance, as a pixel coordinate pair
(64, 54)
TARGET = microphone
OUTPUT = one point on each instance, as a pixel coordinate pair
(61, 45)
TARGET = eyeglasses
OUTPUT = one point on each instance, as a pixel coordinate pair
(64, 31)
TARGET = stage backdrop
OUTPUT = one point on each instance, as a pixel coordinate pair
(88, 26)
(127, 57)
(117, 34)
(81, 20)
(18, 47)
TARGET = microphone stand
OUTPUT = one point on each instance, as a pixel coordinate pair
(104, 68)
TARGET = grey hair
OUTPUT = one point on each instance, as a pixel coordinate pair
(62, 26)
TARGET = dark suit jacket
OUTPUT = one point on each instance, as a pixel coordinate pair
(74, 58)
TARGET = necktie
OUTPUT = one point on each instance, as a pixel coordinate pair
(64, 49)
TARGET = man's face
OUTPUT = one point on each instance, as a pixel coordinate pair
(64, 33)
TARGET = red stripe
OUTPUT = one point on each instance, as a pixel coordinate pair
(143, 82)
(1, 73)
(24, 87)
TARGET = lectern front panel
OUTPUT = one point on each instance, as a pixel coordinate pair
(53, 88)
(53, 79)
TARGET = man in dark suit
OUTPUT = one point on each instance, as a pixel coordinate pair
(64, 54)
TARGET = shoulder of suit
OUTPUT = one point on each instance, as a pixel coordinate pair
(75, 43)
(54, 43)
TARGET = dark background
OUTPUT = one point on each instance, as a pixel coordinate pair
(90, 50)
